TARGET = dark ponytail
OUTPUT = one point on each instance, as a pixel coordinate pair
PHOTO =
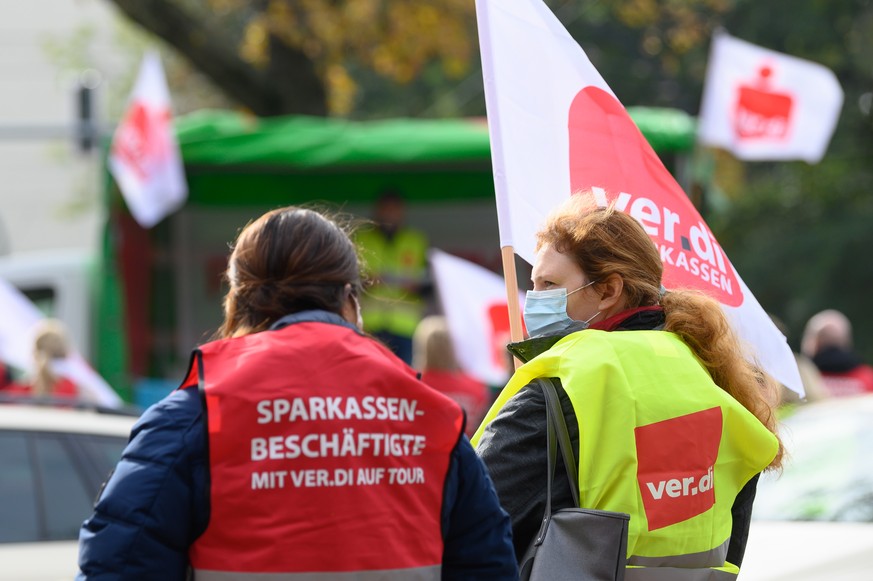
(288, 260)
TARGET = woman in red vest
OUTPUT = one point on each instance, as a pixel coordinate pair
(50, 346)
(433, 354)
(298, 446)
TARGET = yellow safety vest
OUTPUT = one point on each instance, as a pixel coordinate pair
(659, 440)
(387, 306)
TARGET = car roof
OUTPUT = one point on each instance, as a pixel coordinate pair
(63, 419)
(826, 475)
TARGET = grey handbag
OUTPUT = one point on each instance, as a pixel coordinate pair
(573, 543)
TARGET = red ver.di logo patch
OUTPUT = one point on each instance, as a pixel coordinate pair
(675, 466)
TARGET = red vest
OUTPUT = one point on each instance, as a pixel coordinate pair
(854, 382)
(326, 455)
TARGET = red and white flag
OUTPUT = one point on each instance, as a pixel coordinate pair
(144, 157)
(17, 333)
(764, 105)
(557, 128)
(473, 300)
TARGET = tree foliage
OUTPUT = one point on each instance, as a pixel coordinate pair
(396, 39)
(299, 56)
(372, 57)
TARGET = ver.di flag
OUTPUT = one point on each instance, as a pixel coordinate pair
(473, 300)
(557, 128)
(144, 157)
(764, 105)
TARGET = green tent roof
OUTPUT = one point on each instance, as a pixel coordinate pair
(212, 138)
(231, 158)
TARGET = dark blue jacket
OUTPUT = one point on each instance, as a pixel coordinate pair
(156, 503)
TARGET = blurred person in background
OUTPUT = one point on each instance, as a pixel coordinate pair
(667, 419)
(827, 340)
(395, 261)
(297, 446)
(433, 354)
(50, 351)
(50, 348)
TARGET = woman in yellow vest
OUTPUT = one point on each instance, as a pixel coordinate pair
(668, 421)
(395, 258)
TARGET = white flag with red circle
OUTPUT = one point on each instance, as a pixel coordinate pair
(764, 105)
(144, 156)
(557, 128)
(473, 300)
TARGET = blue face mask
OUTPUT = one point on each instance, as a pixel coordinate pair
(545, 312)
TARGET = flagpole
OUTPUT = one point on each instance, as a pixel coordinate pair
(507, 252)
(511, 279)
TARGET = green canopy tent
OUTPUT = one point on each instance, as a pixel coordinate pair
(293, 159)
(161, 288)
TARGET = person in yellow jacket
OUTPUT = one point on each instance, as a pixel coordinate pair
(395, 260)
(668, 420)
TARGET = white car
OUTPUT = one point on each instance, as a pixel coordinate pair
(54, 461)
(815, 519)
(808, 551)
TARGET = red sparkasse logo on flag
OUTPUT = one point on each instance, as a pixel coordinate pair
(762, 112)
(675, 460)
(635, 179)
(141, 139)
(760, 104)
(556, 128)
(144, 157)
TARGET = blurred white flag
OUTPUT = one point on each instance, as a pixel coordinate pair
(556, 128)
(764, 105)
(474, 302)
(17, 327)
(144, 157)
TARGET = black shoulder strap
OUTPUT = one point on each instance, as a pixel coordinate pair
(555, 414)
